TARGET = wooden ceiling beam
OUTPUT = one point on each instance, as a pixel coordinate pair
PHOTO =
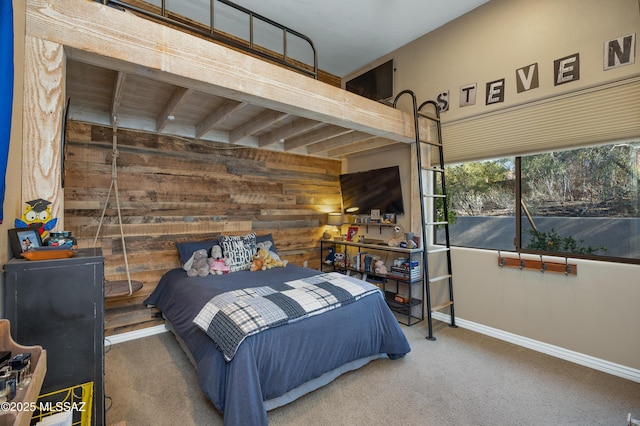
(315, 136)
(178, 98)
(289, 130)
(360, 147)
(217, 116)
(262, 121)
(337, 142)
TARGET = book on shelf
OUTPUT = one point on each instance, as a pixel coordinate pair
(364, 261)
(405, 273)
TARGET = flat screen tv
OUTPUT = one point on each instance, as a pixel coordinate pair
(376, 84)
(372, 189)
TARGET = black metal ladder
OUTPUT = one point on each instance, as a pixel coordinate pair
(438, 195)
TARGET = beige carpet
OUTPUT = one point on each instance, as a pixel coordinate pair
(463, 378)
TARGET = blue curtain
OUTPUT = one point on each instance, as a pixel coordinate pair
(6, 91)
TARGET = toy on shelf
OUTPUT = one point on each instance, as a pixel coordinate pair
(37, 215)
(330, 256)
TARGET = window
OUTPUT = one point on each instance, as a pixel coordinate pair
(481, 197)
(580, 202)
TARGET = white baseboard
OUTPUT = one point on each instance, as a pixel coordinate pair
(556, 351)
(136, 334)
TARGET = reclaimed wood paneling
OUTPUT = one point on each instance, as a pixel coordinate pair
(175, 190)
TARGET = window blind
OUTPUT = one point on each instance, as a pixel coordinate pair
(600, 114)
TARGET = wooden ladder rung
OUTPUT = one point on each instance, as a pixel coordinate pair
(436, 223)
(438, 250)
(442, 306)
(440, 278)
(433, 144)
(434, 195)
(433, 169)
(428, 116)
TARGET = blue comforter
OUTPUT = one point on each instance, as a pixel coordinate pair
(275, 361)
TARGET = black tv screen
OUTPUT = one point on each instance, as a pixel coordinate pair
(372, 189)
(376, 84)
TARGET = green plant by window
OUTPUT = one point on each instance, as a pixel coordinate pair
(552, 241)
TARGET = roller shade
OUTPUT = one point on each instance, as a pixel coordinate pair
(605, 113)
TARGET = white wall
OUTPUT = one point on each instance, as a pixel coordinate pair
(594, 313)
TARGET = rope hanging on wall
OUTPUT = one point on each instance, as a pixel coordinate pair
(117, 288)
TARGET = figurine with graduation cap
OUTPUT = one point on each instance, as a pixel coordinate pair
(37, 215)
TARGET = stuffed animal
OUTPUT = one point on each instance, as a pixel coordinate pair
(338, 259)
(330, 257)
(271, 257)
(379, 267)
(198, 264)
(257, 264)
(398, 237)
(218, 264)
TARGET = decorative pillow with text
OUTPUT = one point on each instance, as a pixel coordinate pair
(239, 250)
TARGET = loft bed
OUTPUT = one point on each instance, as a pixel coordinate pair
(224, 14)
(158, 79)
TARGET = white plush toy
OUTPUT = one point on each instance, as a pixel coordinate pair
(379, 267)
(219, 264)
(398, 236)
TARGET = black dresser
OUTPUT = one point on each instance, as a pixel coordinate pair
(59, 304)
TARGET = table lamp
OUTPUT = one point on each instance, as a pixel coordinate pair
(334, 219)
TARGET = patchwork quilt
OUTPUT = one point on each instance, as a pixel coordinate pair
(231, 317)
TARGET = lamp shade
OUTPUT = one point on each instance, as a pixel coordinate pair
(335, 219)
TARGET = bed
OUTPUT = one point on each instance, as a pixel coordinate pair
(279, 364)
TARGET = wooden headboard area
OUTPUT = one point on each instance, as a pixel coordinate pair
(210, 141)
(173, 190)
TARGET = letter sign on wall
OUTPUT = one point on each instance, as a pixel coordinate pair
(443, 101)
(620, 51)
(468, 94)
(495, 91)
(566, 69)
(527, 78)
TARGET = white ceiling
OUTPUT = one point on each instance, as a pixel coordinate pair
(350, 34)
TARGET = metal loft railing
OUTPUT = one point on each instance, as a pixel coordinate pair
(214, 34)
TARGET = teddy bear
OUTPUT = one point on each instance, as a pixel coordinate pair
(379, 267)
(270, 258)
(257, 264)
(338, 260)
(198, 264)
(218, 264)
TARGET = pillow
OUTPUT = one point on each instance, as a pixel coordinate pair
(187, 249)
(268, 237)
(238, 250)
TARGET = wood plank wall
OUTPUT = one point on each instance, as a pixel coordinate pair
(175, 190)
